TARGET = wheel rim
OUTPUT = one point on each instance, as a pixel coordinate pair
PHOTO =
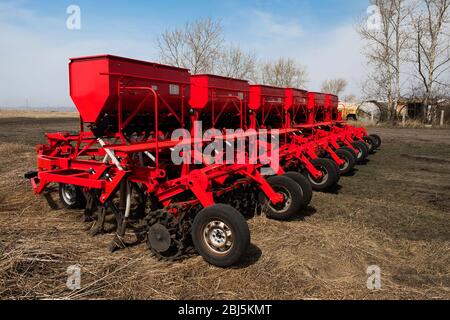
(285, 205)
(320, 181)
(360, 153)
(218, 237)
(69, 194)
(345, 165)
(369, 143)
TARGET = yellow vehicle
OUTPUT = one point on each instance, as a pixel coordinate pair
(348, 110)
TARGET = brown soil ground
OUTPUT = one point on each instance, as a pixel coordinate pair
(394, 212)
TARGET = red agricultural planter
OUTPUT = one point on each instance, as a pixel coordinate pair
(155, 155)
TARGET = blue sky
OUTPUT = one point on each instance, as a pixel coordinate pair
(35, 44)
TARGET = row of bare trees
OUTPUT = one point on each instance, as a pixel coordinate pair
(200, 46)
(408, 49)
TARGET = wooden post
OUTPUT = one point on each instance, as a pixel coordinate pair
(372, 116)
(442, 118)
(404, 120)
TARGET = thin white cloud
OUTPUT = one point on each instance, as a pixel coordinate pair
(265, 23)
(333, 54)
(14, 10)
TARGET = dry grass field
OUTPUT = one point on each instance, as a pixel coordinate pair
(36, 114)
(394, 212)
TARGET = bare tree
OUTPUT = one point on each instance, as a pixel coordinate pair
(432, 48)
(235, 63)
(284, 73)
(387, 42)
(197, 46)
(334, 86)
(350, 98)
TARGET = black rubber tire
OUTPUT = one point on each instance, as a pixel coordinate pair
(378, 141)
(78, 199)
(371, 143)
(331, 174)
(304, 184)
(236, 223)
(294, 200)
(338, 170)
(351, 152)
(363, 151)
(350, 160)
